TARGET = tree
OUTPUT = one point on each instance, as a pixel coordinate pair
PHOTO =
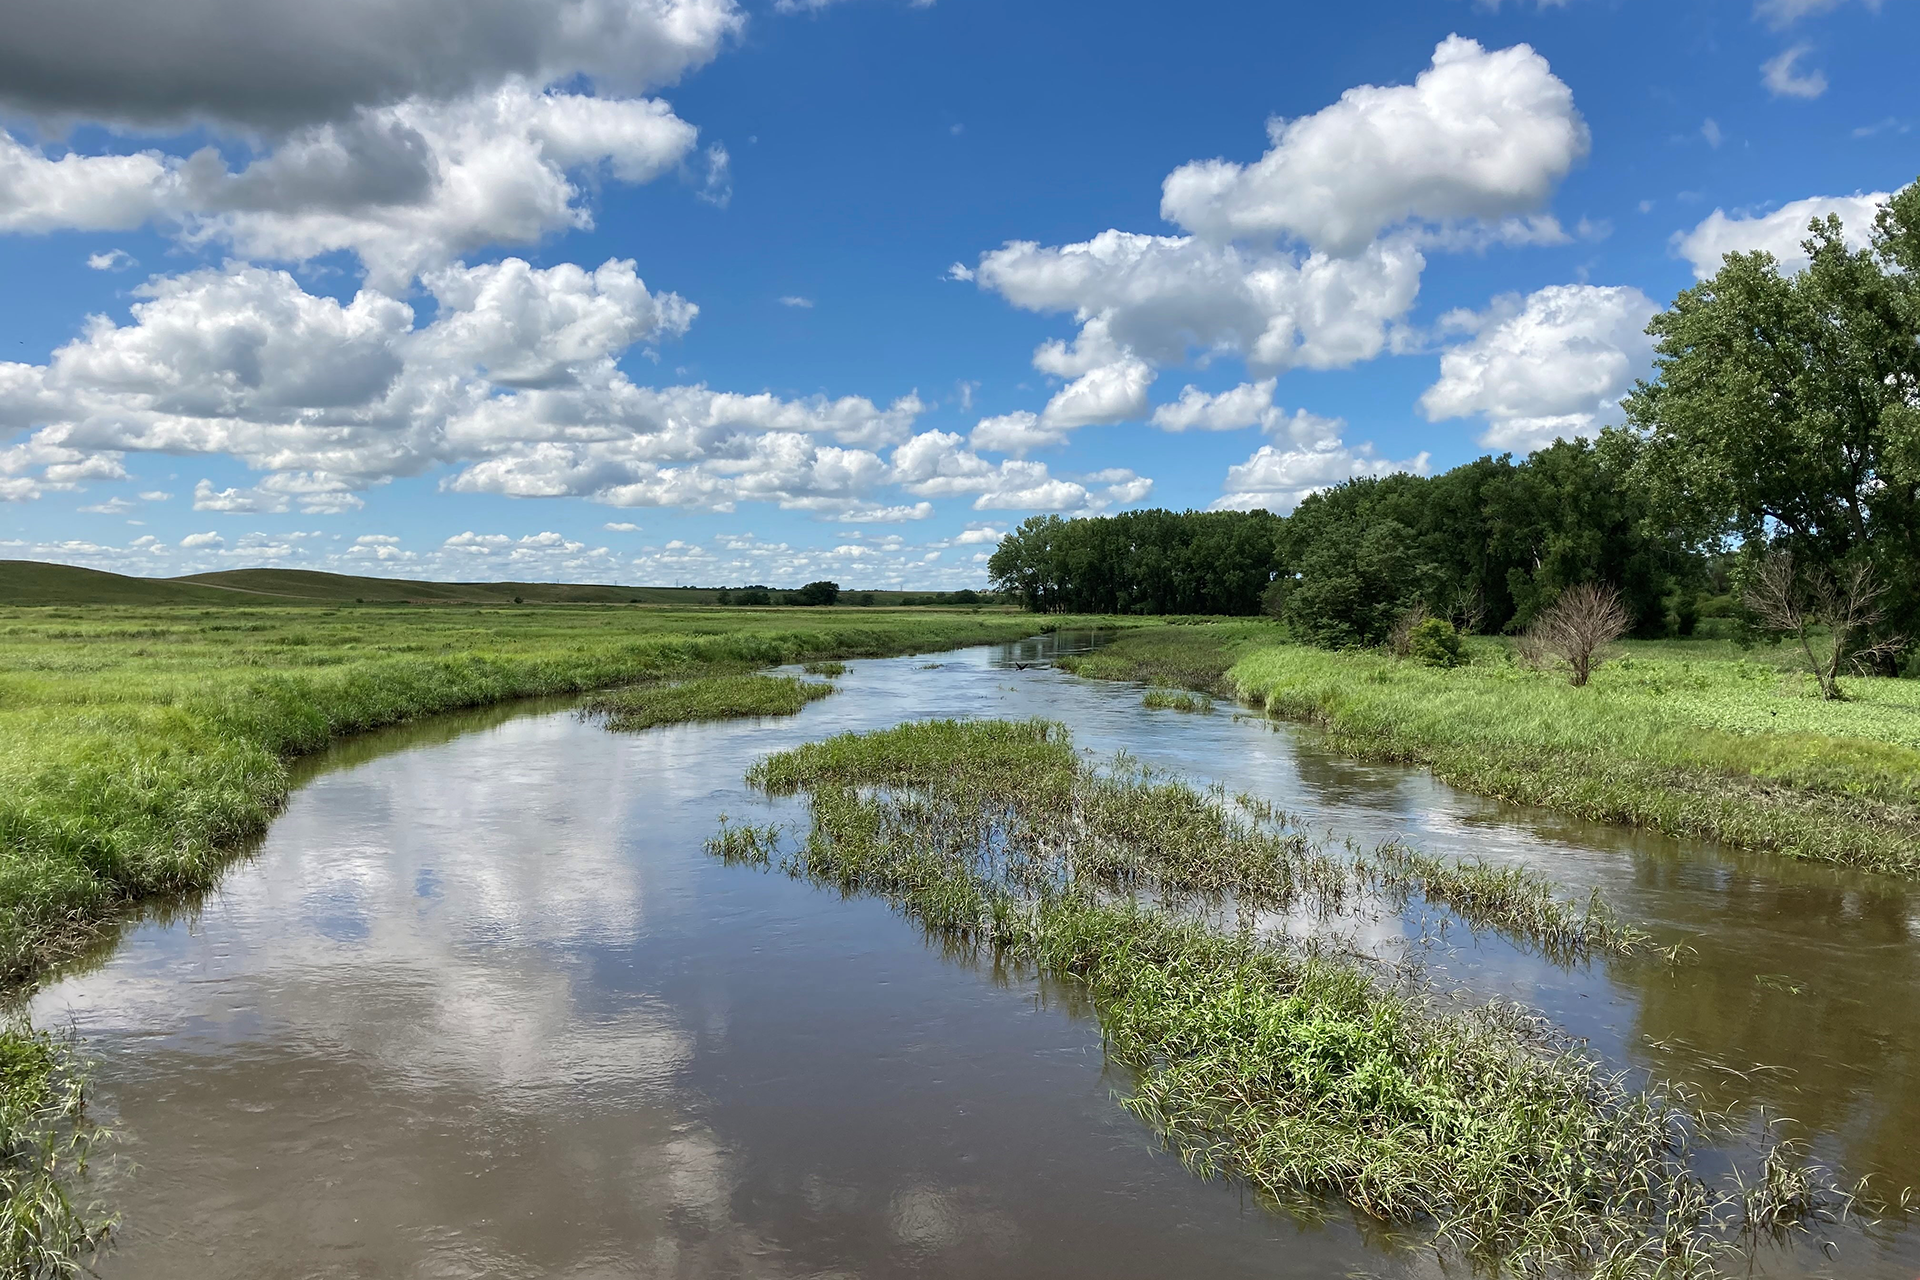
(818, 593)
(1576, 628)
(1842, 606)
(1784, 412)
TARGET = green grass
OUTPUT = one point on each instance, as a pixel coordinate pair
(1175, 700)
(1303, 1073)
(1189, 653)
(1733, 750)
(46, 1140)
(140, 746)
(829, 668)
(726, 697)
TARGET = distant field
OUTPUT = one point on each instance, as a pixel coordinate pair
(30, 582)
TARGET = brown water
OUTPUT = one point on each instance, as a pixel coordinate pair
(481, 1006)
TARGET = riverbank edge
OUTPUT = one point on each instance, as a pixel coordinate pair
(1843, 824)
(283, 719)
(270, 721)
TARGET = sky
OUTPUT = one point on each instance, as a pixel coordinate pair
(716, 292)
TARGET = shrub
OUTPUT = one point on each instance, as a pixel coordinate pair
(1434, 642)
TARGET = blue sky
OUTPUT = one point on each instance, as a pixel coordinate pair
(666, 291)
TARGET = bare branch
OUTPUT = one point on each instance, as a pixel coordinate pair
(1576, 629)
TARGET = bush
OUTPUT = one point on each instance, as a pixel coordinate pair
(1434, 642)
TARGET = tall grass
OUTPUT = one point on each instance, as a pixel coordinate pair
(723, 697)
(1302, 1073)
(46, 1141)
(1729, 751)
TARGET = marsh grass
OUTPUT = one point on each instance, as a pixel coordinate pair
(47, 1141)
(1303, 1073)
(829, 669)
(725, 697)
(1175, 700)
(1725, 750)
(1513, 900)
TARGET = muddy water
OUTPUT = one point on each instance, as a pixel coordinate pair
(481, 1006)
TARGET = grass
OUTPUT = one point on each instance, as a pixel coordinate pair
(46, 1141)
(1302, 1073)
(725, 697)
(139, 748)
(829, 668)
(1175, 700)
(1732, 750)
(1190, 653)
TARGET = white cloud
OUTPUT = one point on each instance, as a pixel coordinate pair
(794, 300)
(1478, 135)
(1779, 232)
(1552, 366)
(1249, 404)
(1110, 393)
(111, 260)
(936, 464)
(1017, 433)
(1784, 13)
(621, 526)
(1161, 297)
(1710, 130)
(1783, 78)
(200, 541)
(236, 501)
(1311, 456)
(406, 187)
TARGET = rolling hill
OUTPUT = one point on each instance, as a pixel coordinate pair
(29, 582)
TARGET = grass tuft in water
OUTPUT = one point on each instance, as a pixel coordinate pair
(1513, 900)
(1303, 1073)
(46, 1144)
(1174, 700)
(829, 669)
(704, 698)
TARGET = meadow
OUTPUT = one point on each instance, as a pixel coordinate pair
(1695, 738)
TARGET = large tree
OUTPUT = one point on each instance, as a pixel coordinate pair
(1784, 411)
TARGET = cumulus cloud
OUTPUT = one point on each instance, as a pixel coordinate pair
(111, 260)
(135, 63)
(1478, 135)
(1784, 79)
(406, 187)
(1310, 455)
(1247, 405)
(936, 464)
(1553, 365)
(1308, 257)
(1779, 232)
(515, 383)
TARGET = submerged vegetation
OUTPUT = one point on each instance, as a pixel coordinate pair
(1303, 1072)
(704, 698)
(46, 1141)
(1693, 738)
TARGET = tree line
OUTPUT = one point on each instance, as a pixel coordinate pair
(1774, 455)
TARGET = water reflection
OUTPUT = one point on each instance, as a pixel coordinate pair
(480, 1006)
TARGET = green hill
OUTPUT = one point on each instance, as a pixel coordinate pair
(29, 582)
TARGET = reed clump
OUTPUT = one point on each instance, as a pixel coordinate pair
(47, 1140)
(1176, 700)
(1303, 1073)
(829, 668)
(726, 697)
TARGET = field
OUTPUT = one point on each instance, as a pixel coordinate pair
(1695, 738)
(139, 747)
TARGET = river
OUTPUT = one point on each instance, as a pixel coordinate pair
(480, 1005)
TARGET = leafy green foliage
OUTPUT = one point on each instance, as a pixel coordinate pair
(1151, 562)
(1785, 409)
(1434, 642)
